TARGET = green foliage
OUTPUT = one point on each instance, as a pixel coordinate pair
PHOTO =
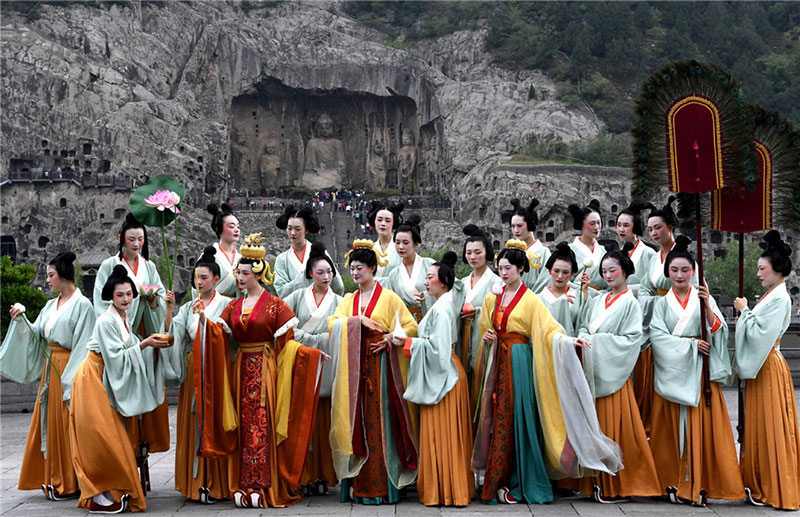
(604, 149)
(531, 93)
(462, 269)
(601, 52)
(300, 192)
(722, 273)
(349, 285)
(162, 265)
(15, 287)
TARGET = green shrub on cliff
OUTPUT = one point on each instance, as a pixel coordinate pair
(15, 287)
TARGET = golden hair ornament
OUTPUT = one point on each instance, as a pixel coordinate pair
(252, 249)
(513, 244)
(364, 244)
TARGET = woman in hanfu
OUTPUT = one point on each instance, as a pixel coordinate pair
(373, 430)
(290, 266)
(407, 279)
(437, 382)
(470, 292)
(146, 316)
(226, 227)
(612, 324)
(561, 299)
(533, 425)
(385, 218)
(630, 228)
(275, 388)
(588, 221)
(692, 442)
(654, 284)
(63, 327)
(523, 221)
(313, 306)
(200, 478)
(770, 459)
(117, 381)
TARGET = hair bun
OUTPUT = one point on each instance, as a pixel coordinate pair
(515, 203)
(471, 230)
(119, 271)
(398, 208)
(208, 254)
(66, 256)
(575, 211)
(317, 249)
(450, 258)
(594, 205)
(773, 238)
(131, 219)
(563, 247)
(533, 204)
(628, 247)
(682, 243)
(212, 209)
(414, 219)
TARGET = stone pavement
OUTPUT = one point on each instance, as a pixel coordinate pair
(164, 501)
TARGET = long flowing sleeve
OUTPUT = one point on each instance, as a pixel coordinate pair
(756, 334)
(175, 356)
(21, 360)
(103, 272)
(133, 384)
(81, 323)
(431, 372)
(285, 282)
(153, 318)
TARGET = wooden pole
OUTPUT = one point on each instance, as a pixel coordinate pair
(740, 423)
(701, 277)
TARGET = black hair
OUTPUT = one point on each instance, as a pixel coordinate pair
(218, 215)
(778, 252)
(316, 254)
(118, 276)
(132, 223)
(396, 210)
(635, 211)
(411, 225)
(622, 258)
(64, 265)
(365, 256)
(667, 213)
(475, 234)
(516, 257)
(565, 253)
(207, 260)
(526, 212)
(447, 269)
(680, 250)
(306, 214)
(579, 214)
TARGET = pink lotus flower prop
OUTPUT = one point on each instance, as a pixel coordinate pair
(148, 290)
(164, 200)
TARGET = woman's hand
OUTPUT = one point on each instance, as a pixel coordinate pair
(325, 357)
(16, 310)
(371, 324)
(585, 281)
(702, 292)
(152, 301)
(170, 298)
(703, 347)
(581, 343)
(197, 308)
(154, 341)
(466, 313)
(419, 297)
(376, 348)
(740, 304)
(489, 336)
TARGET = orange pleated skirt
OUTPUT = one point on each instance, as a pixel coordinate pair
(643, 379)
(619, 419)
(319, 459)
(211, 473)
(101, 450)
(55, 469)
(445, 448)
(770, 465)
(709, 452)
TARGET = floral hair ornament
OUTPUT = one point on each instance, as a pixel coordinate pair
(364, 244)
(513, 244)
(156, 204)
(252, 250)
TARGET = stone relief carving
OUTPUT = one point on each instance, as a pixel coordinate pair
(324, 166)
(407, 162)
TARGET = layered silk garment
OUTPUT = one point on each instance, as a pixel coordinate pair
(467, 291)
(191, 470)
(312, 330)
(407, 286)
(770, 462)
(373, 429)
(537, 277)
(290, 273)
(63, 331)
(640, 255)
(390, 256)
(437, 382)
(564, 311)
(692, 443)
(582, 252)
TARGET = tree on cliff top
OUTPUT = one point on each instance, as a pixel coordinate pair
(16, 287)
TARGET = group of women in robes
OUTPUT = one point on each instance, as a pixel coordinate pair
(538, 373)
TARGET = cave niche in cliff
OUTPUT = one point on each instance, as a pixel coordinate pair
(282, 136)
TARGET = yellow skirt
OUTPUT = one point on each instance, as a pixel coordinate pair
(770, 465)
(445, 448)
(709, 453)
(643, 378)
(619, 419)
(211, 473)
(101, 450)
(319, 459)
(56, 469)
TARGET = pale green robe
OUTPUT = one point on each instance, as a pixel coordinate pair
(139, 311)
(464, 292)
(564, 311)
(641, 255)
(408, 286)
(133, 381)
(391, 257)
(582, 252)
(678, 365)
(431, 371)
(614, 333)
(227, 277)
(312, 329)
(184, 327)
(537, 277)
(290, 273)
(758, 330)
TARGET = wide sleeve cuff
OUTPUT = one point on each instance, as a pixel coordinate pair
(717, 324)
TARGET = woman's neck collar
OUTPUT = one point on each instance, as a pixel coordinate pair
(320, 289)
(619, 290)
(67, 289)
(384, 240)
(255, 291)
(228, 247)
(588, 240)
(301, 248)
(367, 286)
(530, 239)
(668, 245)
(683, 291)
(559, 291)
(130, 256)
(409, 261)
(514, 286)
(206, 297)
(478, 272)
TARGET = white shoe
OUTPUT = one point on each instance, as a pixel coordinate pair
(750, 499)
(240, 499)
(256, 500)
(504, 496)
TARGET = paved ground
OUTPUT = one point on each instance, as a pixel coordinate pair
(163, 500)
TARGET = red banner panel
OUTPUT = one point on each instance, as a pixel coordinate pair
(694, 145)
(740, 211)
